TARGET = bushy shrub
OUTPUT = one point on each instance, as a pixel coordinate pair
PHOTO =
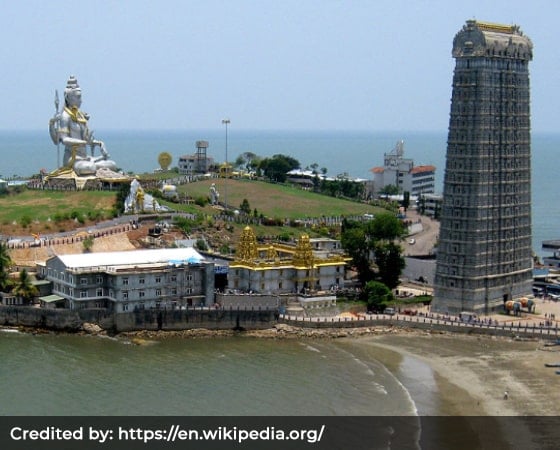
(201, 201)
(25, 221)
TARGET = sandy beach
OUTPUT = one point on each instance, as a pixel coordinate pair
(470, 375)
(476, 371)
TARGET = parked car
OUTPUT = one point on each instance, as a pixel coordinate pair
(389, 311)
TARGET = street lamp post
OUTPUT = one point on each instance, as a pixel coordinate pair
(226, 122)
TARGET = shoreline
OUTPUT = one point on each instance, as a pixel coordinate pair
(445, 374)
(463, 361)
(471, 372)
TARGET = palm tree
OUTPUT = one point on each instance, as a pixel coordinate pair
(24, 288)
(5, 264)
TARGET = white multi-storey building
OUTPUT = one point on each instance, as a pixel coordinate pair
(129, 280)
(401, 172)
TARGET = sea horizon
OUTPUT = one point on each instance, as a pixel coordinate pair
(351, 152)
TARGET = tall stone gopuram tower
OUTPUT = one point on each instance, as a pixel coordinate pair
(484, 255)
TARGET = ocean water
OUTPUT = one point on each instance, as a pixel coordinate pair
(352, 152)
(77, 375)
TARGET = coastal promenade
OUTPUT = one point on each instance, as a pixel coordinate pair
(526, 329)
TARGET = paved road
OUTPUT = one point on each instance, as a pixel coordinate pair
(426, 240)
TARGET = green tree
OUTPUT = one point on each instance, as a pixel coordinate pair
(5, 264)
(247, 161)
(389, 261)
(375, 241)
(239, 162)
(406, 200)
(87, 243)
(355, 242)
(390, 189)
(245, 207)
(377, 295)
(24, 288)
(385, 226)
(201, 245)
(277, 167)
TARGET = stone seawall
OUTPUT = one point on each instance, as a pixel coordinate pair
(53, 319)
(246, 319)
(212, 319)
(153, 319)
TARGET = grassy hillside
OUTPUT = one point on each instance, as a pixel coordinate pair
(38, 211)
(274, 200)
(33, 211)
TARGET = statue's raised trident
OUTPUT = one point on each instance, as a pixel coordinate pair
(54, 124)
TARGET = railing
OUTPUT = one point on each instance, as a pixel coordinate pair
(424, 322)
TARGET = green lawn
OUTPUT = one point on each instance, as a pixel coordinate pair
(42, 208)
(273, 200)
(46, 210)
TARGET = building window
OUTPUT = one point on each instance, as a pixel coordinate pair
(125, 281)
(125, 307)
(173, 277)
(99, 279)
(141, 280)
(83, 280)
(99, 292)
(174, 291)
(158, 279)
(158, 292)
(83, 294)
(125, 295)
(141, 294)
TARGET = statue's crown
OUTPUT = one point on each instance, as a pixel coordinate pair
(72, 83)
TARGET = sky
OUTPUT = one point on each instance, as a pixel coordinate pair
(266, 65)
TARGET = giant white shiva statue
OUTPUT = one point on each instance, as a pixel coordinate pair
(69, 127)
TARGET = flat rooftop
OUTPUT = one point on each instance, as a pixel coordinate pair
(132, 257)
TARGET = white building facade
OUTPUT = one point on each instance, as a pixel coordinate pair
(402, 173)
(132, 280)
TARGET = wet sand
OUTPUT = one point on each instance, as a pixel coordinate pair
(468, 378)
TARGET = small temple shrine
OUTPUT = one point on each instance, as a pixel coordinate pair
(311, 266)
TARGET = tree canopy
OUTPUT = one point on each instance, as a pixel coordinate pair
(277, 167)
(24, 287)
(5, 264)
(378, 295)
(375, 241)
